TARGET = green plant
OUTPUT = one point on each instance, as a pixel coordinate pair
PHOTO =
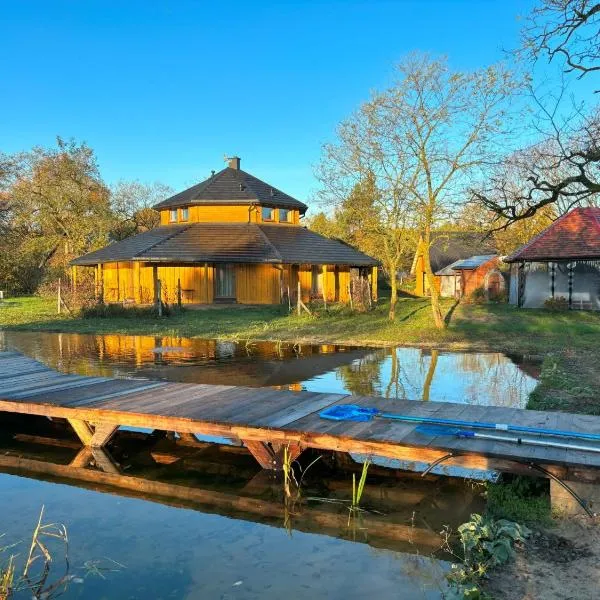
(558, 304)
(521, 499)
(485, 543)
(358, 491)
(478, 296)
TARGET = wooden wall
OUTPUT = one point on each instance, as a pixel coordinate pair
(225, 214)
(258, 284)
(254, 283)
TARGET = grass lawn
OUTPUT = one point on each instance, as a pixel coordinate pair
(568, 342)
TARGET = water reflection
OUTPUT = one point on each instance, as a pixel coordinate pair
(201, 520)
(410, 373)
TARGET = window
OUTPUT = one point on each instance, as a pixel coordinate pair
(185, 214)
(173, 215)
(284, 215)
(268, 214)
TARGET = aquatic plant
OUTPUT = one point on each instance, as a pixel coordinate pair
(37, 577)
(358, 491)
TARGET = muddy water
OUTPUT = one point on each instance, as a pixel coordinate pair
(174, 520)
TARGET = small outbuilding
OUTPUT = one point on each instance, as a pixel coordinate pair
(563, 261)
(461, 262)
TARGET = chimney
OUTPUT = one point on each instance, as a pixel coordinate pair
(234, 162)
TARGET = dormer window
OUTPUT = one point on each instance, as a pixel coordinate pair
(284, 215)
(185, 214)
(173, 215)
(268, 214)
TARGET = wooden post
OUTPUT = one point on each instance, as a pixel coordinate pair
(206, 289)
(137, 287)
(74, 278)
(324, 286)
(552, 278)
(179, 292)
(158, 287)
(59, 299)
(571, 267)
(101, 278)
(155, 286)
(521, 284)
(299, 299)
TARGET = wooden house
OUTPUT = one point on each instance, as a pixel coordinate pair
(461, 262)
(230, 238)
(563, 261)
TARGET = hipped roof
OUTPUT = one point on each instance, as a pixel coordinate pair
(575, 235)
(232, 186)
(229, 243)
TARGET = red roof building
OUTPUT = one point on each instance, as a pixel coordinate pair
(563, 261)
(575, 235)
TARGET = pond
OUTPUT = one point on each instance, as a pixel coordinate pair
(182, 519)
(411, 373)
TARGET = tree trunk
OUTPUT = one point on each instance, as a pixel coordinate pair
(438, 318)
(430, 374)
(394, 295)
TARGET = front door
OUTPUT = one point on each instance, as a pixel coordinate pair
(225, 282)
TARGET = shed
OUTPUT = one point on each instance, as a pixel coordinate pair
(449, 249)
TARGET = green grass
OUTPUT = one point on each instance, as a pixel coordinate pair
(479, 327)
(520, 499)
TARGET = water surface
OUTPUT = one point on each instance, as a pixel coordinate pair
(205, 522)
(480, 378)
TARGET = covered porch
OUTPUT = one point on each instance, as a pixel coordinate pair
(533, 283)
(144, 283)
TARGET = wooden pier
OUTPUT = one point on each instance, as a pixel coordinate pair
(266, 420)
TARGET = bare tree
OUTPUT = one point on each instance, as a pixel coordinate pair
(364, 178)
(425, 139)
(565, 29)
(563, 169)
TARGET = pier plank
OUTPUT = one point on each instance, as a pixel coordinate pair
(281, 417)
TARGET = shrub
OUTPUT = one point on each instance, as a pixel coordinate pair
(108, 311)
(558, 303)
(478, 295)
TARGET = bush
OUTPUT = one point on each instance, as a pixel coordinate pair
(109, 311)
(558, 303)
(478, 296)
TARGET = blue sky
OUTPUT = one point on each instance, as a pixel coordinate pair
(163, 89)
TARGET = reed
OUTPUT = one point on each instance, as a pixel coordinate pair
(357, 491)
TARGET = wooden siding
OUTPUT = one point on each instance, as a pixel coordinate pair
(258, 284)
(225, 214)
(134, 282)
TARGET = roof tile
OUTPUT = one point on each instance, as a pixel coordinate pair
(575, 235)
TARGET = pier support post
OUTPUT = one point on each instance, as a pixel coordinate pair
(101, 457)
(96, 437)
(270, 456)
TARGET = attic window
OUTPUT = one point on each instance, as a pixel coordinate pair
(173, 215)
(284, 215)
(268, 214)
(185, 214)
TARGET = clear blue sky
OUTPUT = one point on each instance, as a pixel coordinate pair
(163, 89)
